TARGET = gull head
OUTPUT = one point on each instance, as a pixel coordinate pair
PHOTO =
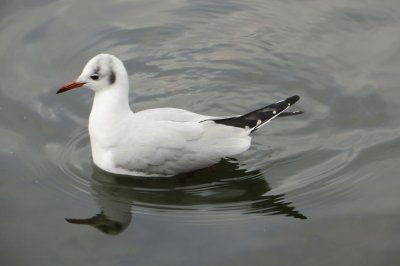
(102, 72)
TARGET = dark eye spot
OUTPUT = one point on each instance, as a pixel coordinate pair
(111, 78)
(94, 76)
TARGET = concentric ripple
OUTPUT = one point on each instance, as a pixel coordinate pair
(176, 61)
(225, 191)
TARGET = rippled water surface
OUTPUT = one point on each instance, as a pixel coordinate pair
(317, 189)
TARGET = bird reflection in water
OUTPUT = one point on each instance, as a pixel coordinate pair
(224, 187)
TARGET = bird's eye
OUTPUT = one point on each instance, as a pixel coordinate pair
(94, 77)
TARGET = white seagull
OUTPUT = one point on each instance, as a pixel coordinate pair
(162, 141)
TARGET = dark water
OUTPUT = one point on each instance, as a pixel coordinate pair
(317, 189)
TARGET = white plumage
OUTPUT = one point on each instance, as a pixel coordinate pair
(158, 142)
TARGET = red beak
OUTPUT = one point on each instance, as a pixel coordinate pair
(70, 85)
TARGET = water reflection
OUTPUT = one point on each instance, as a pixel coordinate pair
(221, 190)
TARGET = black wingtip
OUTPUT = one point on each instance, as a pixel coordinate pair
(292, 100)
(284, 114)
(259, 117)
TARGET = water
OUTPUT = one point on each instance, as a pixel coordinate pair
(316, 189)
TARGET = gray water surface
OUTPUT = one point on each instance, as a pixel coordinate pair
(317, 189)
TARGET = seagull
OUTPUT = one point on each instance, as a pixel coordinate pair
(161, 141)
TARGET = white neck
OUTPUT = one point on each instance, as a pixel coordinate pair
(109, 111)
(110, 104)
(112, 100)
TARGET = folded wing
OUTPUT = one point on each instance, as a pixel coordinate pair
(168, 147)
